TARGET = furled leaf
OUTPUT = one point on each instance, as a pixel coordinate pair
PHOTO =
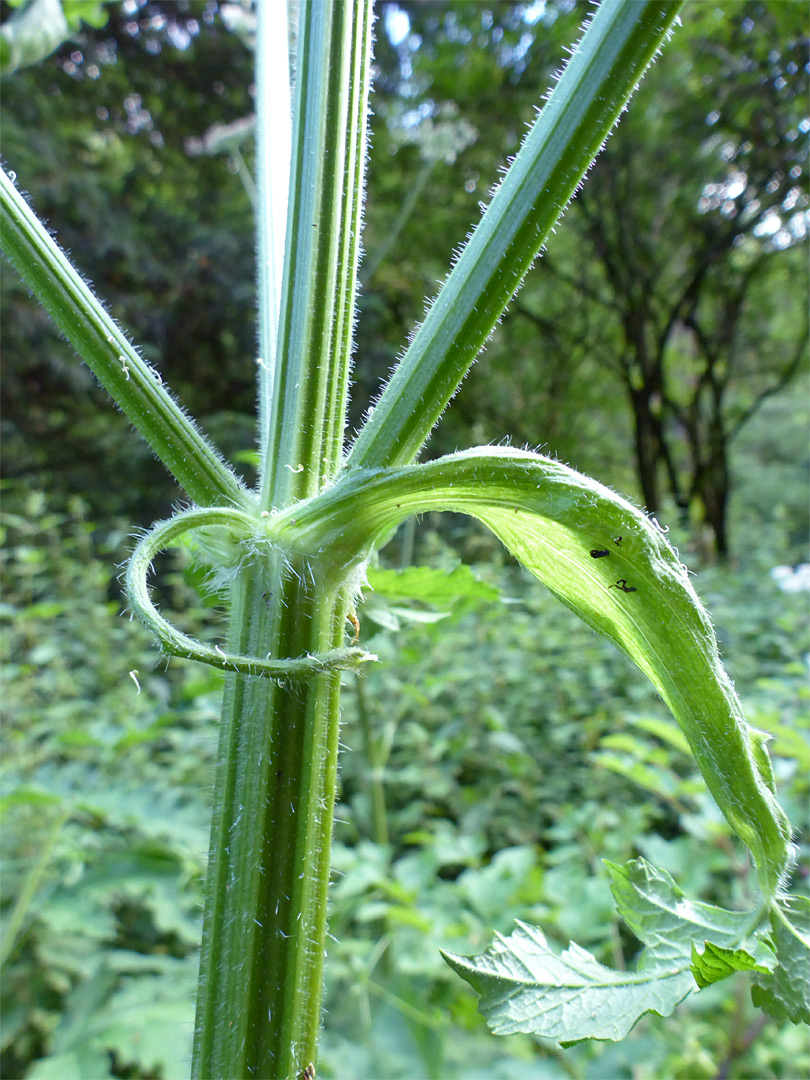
(525, 986)
(606, 561)
(716, 962)
(784, 993)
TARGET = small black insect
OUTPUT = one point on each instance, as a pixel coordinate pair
(622, 584)
(617, 540)
(599, 554)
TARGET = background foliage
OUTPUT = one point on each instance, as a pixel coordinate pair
(502, 750)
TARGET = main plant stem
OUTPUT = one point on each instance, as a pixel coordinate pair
(264, 935)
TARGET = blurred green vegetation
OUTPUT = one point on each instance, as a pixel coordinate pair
(515, 749)
(501, 751)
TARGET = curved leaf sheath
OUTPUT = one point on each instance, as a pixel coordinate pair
(179, 644)
(611, 565)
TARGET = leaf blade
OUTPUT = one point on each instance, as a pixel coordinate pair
(526, 987)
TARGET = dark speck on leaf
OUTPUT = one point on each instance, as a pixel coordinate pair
(599, 554)
(622, 584)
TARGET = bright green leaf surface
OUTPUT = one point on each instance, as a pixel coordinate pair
(715, 963)
(656, 911)
(438, 588)
(661, 729)
(92, 1062)
(606, 561)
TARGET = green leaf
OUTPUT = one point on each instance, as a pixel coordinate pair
(454, 591)
(526, 987)
(784, 993)
(662, 729)
(606, 561)
(716, 963)
(95, 13)
(90, 1062)
(654, 908)
(150, 1021)
(31, 34)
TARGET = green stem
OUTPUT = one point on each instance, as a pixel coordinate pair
(306, 413)
(264, 931)
(135, 387)
(620, 42)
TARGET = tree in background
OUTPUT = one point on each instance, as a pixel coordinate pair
(705, 274)
(681, 300)
(101, 131)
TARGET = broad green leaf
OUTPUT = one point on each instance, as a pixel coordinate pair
(413, 615)
(660, 782)
(662, 729)
(450, 590)
(90, 1062)
(606, 561)
(785, 993)
(150, 1020)
(655, 909)
(526, 987)
(94, 12)
(716, 962)
(76, 1049)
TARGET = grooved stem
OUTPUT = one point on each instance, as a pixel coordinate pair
(265, 922)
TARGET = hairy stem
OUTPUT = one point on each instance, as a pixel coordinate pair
(135, 387)
(265, 920)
